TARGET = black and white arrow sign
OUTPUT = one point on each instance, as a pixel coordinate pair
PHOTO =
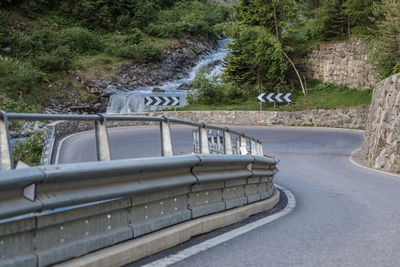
(275, 97)
(161, 100)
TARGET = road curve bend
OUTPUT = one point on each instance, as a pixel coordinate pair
(344, 215)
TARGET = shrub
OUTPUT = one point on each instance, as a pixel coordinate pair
(26, 45)
(133, 46)
(81, 40)
(56, 60)
(208, 92)
(18, 77)
(196, 18)
(30, 150)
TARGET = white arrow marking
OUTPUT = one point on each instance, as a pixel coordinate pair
(167, 101)
(278, 97)
(269, 97)
(176, 101)
(287, 98)
(158, 101)
(260, 97)
(147, 100)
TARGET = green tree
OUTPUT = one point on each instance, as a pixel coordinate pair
(385, 51)
(278, 18)
(360, 17)
(256, 57)
(330, 21)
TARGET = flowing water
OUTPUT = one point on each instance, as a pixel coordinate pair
(126, 102)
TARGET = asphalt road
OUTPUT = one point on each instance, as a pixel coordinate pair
(345, 215)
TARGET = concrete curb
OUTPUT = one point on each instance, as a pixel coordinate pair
(133, 250)
(353, 158)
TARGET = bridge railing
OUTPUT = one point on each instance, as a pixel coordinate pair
(204, 143)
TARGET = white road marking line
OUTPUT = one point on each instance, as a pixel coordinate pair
(59, 146)
(369, 168)
(188, 252)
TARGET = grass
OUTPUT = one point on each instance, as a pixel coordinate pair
(320, 96)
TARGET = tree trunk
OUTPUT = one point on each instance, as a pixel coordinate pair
(276, 23)
(298, 74)
(348, 25)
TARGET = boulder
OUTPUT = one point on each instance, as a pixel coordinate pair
(184, 86)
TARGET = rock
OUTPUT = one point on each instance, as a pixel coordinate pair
(381, 147)
(184, 86)
(103, 84)
(158, 90)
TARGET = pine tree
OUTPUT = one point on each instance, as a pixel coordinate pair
(385, 51)
(330, 21)
(360, 16)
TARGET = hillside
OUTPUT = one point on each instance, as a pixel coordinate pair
(59, 54)
(51, 49)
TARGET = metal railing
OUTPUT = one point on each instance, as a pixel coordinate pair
(204, 143)
(50, 214)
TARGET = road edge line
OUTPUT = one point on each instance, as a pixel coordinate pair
(138, 248)
(351, 156)
(212, 242)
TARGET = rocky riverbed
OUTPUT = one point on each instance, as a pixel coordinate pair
(176, 63)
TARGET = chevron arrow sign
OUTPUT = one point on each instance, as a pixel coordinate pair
(161, 100)
(275, 97)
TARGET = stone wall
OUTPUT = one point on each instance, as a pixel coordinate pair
(341, 63)
(381, 146)
(341, 118)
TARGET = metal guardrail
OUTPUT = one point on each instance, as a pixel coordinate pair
(243, 144)
(52, 213)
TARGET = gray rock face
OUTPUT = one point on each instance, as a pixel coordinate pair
(381, 146)
(343, 62)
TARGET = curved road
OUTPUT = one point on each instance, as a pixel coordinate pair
(345, 215)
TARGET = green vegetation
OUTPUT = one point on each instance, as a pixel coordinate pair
(272, 37)
(39, 42)
(30, 150)
(320, 96)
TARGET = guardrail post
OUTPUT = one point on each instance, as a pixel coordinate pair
(6, 162)
(253, 148)
(166, 144)
(204, 149)
(243, 145)
(260, 151)
(102, 142)
(196, 142)
(237, 145)
(219, 149)
(227, 143)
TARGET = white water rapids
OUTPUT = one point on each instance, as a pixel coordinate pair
(126, 102)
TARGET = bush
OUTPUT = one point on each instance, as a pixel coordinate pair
(196, 18)
(208, 91)
(82, 41)
(10, 104)
(56, 60)
(27, 45)
(30, 150)
(133, 46)
(17, 77)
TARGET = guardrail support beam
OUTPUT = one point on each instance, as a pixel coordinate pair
(253, 148)
(227, 143)
(260, 151)
(243, 146)
(166, 144)
(102, 142)
(204, 149)
(6, 162)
